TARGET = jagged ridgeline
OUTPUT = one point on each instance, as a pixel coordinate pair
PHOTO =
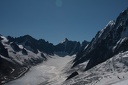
(17, 55)
(106, 54)
(107, 42)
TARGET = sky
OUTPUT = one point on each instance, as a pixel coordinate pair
(54, 20)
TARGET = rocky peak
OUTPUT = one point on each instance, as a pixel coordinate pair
(101, 47)
(65, 40)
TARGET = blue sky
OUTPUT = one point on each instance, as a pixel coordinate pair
(54, 20)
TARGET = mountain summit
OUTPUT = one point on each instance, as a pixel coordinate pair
(104, 60)
(65, 40)
(107, 42)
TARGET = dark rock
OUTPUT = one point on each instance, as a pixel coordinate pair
(31, 46)
(6, 66)
(42, 55)
(3, 50)
(1, 38)
(106, 43)
(30, 43)
(72, 75)
(24, 52)
(69, 47)
(15, 47)
(10, 39)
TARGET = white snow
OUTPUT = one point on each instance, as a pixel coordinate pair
(114, 70)
(86, 46)
(21, 46)
(49, 71)
(124, 82)
(110, 72)
(4, 39)
(18, 56)
(106, 30)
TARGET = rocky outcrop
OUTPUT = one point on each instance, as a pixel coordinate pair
(72, 75)
(107, 42)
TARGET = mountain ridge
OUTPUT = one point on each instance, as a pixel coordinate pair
(103, 44)
(19, 54)
(105, 55)
(49, 48)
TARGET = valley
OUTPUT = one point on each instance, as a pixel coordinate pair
(25, 60)
(46, 73)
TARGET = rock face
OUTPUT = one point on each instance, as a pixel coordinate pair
(10, 69)
(69, 47)
(17, 55)
(24, 52)
(15, 47)
(3, 50)
(16, 60)
(66, 47)
(72, 75)
(107, 42)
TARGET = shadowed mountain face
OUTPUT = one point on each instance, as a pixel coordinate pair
(107, 42)
(16, 60)
(32, 44)
(69, 47)
(66, 47)
(3, 50)
(72, 75)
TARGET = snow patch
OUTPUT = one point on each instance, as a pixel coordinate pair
(5, 40)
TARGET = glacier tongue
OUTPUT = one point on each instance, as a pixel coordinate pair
(47, 73)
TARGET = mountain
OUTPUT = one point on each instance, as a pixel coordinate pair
(105, 58)
(18, 54)
(16, 59)
(33, 44)
(113, 70)
(67, 47)
(103, 61)
(107, 42)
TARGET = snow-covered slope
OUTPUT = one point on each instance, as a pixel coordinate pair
(112, 71)
(104, 60)
(46, 73)
(17, 55)
(109, 41)
(123, 82)
(15, 60)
